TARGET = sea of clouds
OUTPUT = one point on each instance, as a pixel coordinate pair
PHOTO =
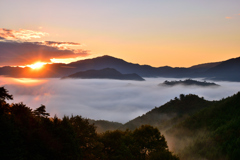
(112, 100)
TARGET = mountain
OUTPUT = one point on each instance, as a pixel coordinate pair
(212, 133)
(196, 128)
(204, 67)
(227, 70)
(61, 70)
(126, 67)
(170, 113)
(106, 73)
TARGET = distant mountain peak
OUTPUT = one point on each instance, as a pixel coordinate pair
(105, 73)
(107, 57)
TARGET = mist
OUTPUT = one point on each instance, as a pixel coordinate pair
(113, 100)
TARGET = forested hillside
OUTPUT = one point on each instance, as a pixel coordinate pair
(213, 132)
(103, 125)
(196, 128)
(170, 113)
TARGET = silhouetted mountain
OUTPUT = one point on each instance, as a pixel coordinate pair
(106, 73)
(226, 70)
(189, 82)
(204, 67)
(126, 67)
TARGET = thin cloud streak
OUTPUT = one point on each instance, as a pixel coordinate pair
(112, 100)
(22, 34)
(60, 45)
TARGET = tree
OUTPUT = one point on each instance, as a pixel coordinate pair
(41, 112)
(4, 107)
(117, 145)
(150, 144)
(182, 96)
(86, 137)
(4, 94)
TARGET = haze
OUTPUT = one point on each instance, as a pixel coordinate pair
(111, 100)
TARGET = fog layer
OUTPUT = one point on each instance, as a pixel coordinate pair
(112, 100)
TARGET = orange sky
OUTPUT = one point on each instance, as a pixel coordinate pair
(177, 34)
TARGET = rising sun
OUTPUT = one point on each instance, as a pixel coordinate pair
(37, 65)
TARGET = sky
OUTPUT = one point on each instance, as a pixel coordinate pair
(112, 100)
(154, 32)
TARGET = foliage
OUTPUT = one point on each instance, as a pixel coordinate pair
(143, 143)
(103, 125)
(170, 113)
(220, 128)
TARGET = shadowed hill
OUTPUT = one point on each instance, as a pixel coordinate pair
(227, 70)
(214, 132)
(106, 73)
(205, 66)
(169, 113)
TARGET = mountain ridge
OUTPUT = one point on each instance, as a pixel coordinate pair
(106, 73)
(168, 114)
(226, 70)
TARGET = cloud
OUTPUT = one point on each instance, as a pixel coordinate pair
(22, 34)
(60, 45)
(228, 17)
(112, 100)
(22, 53)
(16, 50)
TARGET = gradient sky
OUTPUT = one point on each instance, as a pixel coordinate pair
(155, 32)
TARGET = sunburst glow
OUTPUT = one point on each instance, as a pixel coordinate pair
(28, 81)
(37, 65)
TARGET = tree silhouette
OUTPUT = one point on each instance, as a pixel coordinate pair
(41, 112)
(147, 140)
(4, 107)
(4, 94)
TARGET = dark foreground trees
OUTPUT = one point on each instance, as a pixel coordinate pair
(31, 134)
(143, 143)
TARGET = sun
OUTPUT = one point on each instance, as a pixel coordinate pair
(37, 65)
